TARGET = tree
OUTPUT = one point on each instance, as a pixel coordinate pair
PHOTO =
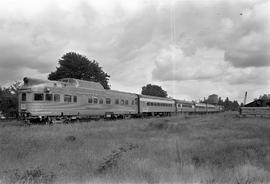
(153, 90)
(264, 97)
(73, 65)
(9, 99)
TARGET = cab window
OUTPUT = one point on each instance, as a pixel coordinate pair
(90, 100)
(38, 96)
(23, 96)
(48, 97)
(108, 101)
(126, 102)
(75, 99)
(67, 98)
(95, 100)
(101, 101)
(116, 101)
(56, 97)
(136, 101)
(122, 102)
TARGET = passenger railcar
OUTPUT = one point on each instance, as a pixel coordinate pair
(152, 106)
(73, 98)
(183, 106)
(200, 107)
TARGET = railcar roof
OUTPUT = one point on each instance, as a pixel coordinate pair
(155, 97)
(36, 82)
(62, 83)
(82, 83)
(184, 101)
(69, 82)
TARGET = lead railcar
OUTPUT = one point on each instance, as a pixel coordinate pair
(40, 100)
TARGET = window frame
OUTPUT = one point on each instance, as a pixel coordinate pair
(108, 101)
(48, 99)
(55, 97)
(75, 99)
(23, 97)
(35, 95)
(122, 102)
(69, 97)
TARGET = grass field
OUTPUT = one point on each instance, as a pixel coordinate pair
(219, 148)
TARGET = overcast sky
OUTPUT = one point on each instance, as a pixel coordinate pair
(191, 48)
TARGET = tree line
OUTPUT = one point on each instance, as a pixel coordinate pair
(227, 104)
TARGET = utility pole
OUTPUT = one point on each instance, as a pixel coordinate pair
(245, 99)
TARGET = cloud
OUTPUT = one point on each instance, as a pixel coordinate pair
(239, 28)
(252, 76)
(172, 64)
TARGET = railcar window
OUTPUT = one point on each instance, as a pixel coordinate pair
(108, 101)
(122, 102)
(132, 102)
(38, 96)
(186, 105)
(90, 100)
(136, 101)
(56, 97)
(75, 99)
(67, 98)
(48, 97)
(101, 101)
(148, 103)
(95, 100)
(116, 101)
(23, 96)
(126, 102)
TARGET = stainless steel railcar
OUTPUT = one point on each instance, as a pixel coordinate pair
(190, 107)
(152, 106)
(183, 106)
(41, 99)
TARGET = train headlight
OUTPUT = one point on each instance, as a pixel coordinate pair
(47, 90)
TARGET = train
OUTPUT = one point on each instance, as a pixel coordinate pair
(43, 101)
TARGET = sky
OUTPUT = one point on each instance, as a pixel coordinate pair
(191, 48)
